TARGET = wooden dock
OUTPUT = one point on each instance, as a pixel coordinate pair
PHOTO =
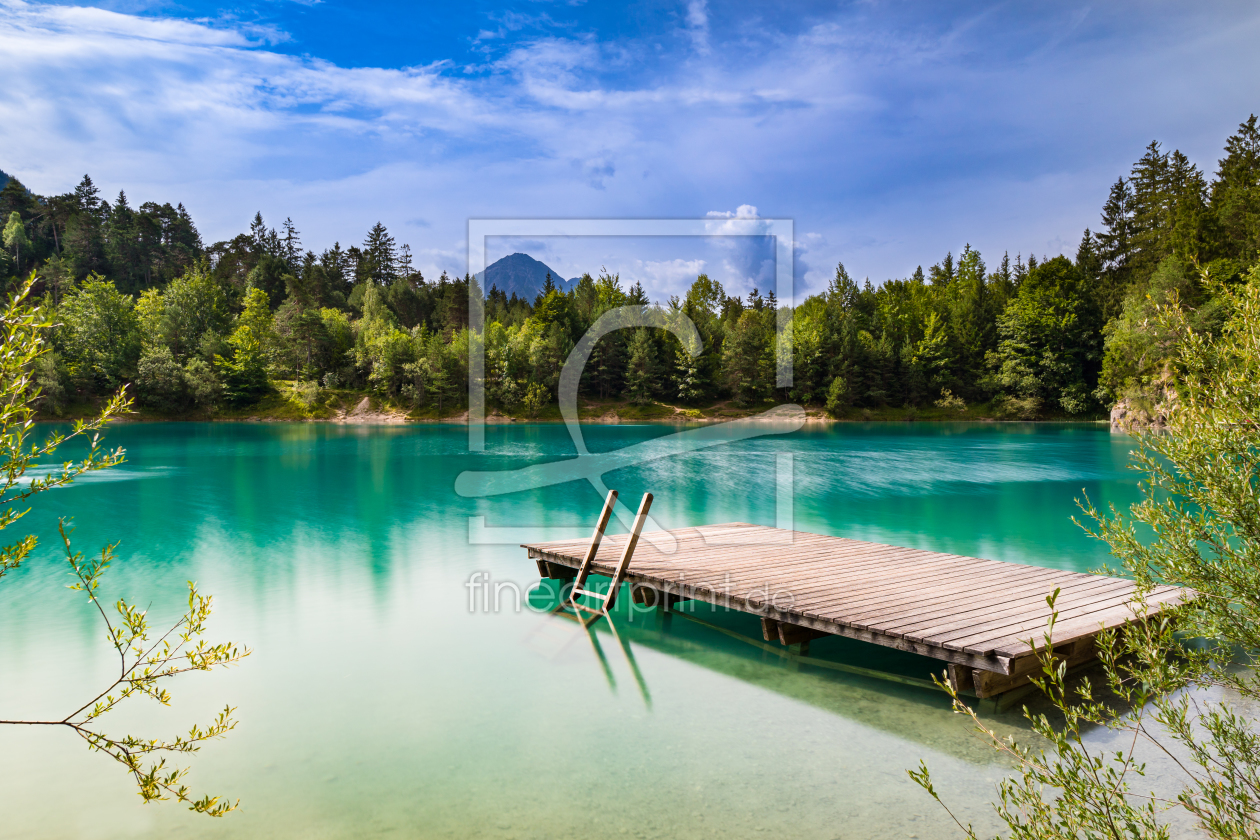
(976, 615)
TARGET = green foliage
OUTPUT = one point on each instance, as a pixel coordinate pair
(203, 384)
(1136, 349)
(1049, 346)
(270, 278)
(184, 311)
(641, 370)
(838, 398)
(146, 663)
(536, 399)
(49, 377)
(160, 380)
(951, 402)
(245, 372)
(747, 358)
(306, 394)
(553, 308)
(1197, 525)
(1063, 337)
(15, 237)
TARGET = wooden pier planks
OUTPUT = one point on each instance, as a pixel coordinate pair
(979, 613)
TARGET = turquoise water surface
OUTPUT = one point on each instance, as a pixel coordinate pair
(378, 704)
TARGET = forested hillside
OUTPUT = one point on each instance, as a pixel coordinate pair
(140, 299)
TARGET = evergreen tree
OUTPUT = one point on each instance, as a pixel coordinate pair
(1089, 263)
(1235, 194)
(1116, 238)
(258, 234)
(338, 265)
(942, 274)
(292, 243)
(641, 368)
(405, 267)
(381, 256)
(121, 249)
(1050, 352)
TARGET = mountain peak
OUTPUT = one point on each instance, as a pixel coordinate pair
(522, 275)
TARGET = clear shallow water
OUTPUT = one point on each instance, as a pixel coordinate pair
(377, 704)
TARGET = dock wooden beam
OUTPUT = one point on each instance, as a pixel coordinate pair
(786, 633)
(975, 615)
(648, 596)
(555, 571)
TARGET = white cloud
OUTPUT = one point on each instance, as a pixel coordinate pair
(891, 138)
(698, 25)
(744, 211)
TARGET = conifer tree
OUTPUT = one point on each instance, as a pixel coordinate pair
(641, 367)
(405, 267)
(87, 199)
(381, 255)
(258, 234)
(292, 243)
(1235, 194)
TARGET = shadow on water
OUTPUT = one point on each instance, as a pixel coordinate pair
(887, 689)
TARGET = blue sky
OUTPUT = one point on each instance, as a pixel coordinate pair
(890, 132)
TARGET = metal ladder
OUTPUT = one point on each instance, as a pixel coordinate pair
(623, 565)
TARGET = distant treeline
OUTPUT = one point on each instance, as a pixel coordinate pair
(140, 299)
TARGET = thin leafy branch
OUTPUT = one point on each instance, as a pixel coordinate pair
(146, 661)
(1168, 677)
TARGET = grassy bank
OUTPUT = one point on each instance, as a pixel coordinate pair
(287, 403)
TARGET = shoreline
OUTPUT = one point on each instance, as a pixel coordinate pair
(360, 409)
(462, 420)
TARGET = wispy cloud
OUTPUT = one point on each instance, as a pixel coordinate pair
(894, 133)
(698, 25)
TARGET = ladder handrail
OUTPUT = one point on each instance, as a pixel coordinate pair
(631, 543)
(596, 538)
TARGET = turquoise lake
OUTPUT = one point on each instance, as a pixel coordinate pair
(377, 704)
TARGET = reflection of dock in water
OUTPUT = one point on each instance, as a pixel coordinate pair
(977, 616)
(874, 687)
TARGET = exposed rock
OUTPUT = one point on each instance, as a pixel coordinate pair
(363, 414)
(1140, 414)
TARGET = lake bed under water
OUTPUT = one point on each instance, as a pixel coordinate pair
(378, 704)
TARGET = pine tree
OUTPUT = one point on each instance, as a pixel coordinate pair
(405, 267)
(292, 243)
(942, 273)
(1235, 194)
(338, 265)
(87, 199)
(381, 255)
(1116, 238)
(120, 246)
(83, 243)
(1169, 207)
(641, 368)
(258, 234)
(1088, 258)
(689, 380)
(1189, 222)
